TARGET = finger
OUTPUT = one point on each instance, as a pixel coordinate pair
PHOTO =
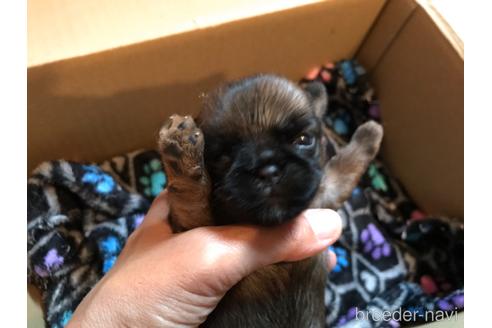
(158, 212)
(309, 234)
(236, 251)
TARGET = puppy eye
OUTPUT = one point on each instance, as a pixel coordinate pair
(304, 141)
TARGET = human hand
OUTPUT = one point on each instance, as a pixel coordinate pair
(168, 280)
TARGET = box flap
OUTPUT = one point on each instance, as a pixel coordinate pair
(389, 23)
(60, 30)
(419, 79)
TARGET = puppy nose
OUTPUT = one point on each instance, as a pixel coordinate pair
(269, 172)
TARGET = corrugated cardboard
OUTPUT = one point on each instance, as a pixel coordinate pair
(60, 29)
(390, 22)
(419, 80)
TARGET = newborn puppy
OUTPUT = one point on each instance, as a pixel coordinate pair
(261, 155)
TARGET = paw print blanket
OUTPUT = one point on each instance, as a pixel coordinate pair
(392, 258)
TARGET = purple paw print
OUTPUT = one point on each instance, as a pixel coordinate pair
(452, 302)
(52, 261)
(347, 317)
(374, 242)
(137, 220)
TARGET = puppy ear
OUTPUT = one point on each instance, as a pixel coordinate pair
(318, 96)
(344, 170)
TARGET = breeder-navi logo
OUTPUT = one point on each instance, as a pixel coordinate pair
(414, 315)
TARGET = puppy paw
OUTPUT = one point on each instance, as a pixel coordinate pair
(368, 138)
(181, 145)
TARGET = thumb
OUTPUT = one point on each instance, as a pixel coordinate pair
(305, 236)
(236, 251)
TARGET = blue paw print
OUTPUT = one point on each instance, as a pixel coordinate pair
(342, 259)
(102, 182)
(340, 126)
(348, 72)
(108, 263)
(342, 123)
(154, 179)
(109, 247)
(356, 192)
(67, 315)
(65, 318)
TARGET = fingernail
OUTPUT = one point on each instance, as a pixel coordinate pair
(326, 223)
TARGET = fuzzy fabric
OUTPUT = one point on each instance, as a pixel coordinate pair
(391, 256)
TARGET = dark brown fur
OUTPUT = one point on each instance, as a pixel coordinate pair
(284, 294)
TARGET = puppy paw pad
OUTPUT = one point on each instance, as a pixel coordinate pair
(369, 136)
(181, 144)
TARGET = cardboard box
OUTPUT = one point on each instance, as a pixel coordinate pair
(89, 103)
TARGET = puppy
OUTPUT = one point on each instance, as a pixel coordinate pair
(261, 155)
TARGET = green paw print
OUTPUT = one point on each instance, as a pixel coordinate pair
(154, 179)
(377, 179)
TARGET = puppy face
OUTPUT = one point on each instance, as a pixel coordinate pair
(262, 150)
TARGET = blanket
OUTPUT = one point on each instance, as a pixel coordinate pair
(396, 265)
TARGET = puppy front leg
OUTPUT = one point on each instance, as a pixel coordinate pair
(343, 171)
(181, 145)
